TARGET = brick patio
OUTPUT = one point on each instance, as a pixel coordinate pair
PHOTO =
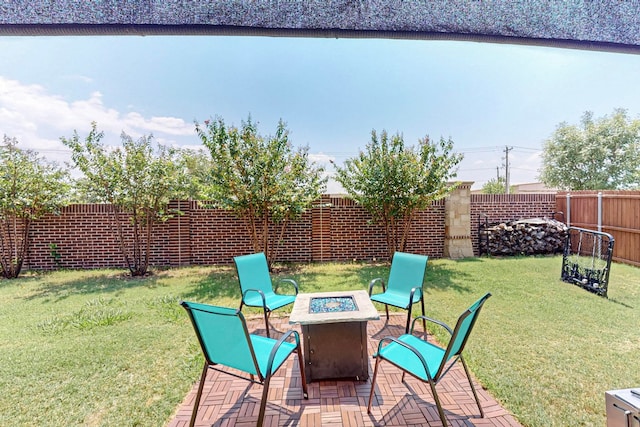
(228, 401)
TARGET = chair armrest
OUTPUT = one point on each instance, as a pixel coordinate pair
(413, 291)
(373, 282)
(264, 300)
(429, 319)
(408, 347)
(291, 281)
(276, 347)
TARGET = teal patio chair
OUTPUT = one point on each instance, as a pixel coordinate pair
(225, 340)
(429, 362)
(404, 287)
(256, 285)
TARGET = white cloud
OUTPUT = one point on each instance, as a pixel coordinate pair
(167, 125)
(334, 187)
(79, 77)
(321, 158)
(38, 118)
(12, 121)
(325, 160)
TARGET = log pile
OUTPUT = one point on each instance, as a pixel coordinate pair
(524, 237)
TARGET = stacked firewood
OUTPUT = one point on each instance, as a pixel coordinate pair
(523, 237)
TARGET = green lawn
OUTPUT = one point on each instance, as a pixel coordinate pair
(96, 348)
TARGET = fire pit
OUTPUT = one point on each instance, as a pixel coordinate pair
(334, 330)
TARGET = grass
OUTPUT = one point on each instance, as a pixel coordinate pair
(96, 348)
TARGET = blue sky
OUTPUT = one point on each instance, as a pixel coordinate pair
(330, 92)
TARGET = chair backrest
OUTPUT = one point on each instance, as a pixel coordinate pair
(253, 272)
(407, 272)
(223, 335)
(461, 332)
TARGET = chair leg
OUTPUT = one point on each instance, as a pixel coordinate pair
(263, 402)
(199, 394)
(386, 309)
(266, 322)
(424, 322)
(438, 405)
(473, 390)
(406, 330)
(303, 377)
(373, 384)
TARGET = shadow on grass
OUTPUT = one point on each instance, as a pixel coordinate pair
(217, 284)
(438, 276)
(622, 303)
(358, 276)
(224, 284)
(108, 282)
(441, 278)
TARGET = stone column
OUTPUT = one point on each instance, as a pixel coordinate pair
(457, 223)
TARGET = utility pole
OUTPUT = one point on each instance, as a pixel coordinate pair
(506, 169)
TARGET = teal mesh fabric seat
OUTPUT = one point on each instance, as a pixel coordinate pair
(404, 287)
(257, 288)
(427, 361)
(226, 341)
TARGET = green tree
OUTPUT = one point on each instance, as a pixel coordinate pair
(29, 189)
(496, 186)
(600, 154)
(261, 179)
(136, 180)
(392, 182)
(197, 166)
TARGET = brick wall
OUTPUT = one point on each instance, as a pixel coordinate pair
(508, 207)
(83, 238)
(336, 229)
(353, 236)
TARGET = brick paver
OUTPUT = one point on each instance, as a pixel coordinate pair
(231, 402)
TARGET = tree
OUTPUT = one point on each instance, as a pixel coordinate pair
(29, 189)
(600, 154)
(197, 166)
(262, 180)
(136, 180)
(392, 182)
(497, 186)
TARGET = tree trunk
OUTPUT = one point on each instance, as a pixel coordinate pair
(117, 225)
(14, 245)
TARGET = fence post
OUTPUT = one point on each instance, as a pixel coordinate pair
(568, 209)
(600, 211)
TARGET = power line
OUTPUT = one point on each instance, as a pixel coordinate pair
(527, 148)
(477, 169)
(522, 169)
(480, 149)
(506, 168)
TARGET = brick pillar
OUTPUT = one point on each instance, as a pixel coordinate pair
(457, 223)
(179, 245)
(321, 229)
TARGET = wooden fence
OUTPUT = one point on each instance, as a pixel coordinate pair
(613, 212)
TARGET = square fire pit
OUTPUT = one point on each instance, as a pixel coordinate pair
(334, 331)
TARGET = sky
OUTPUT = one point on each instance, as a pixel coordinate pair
(330, 92)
